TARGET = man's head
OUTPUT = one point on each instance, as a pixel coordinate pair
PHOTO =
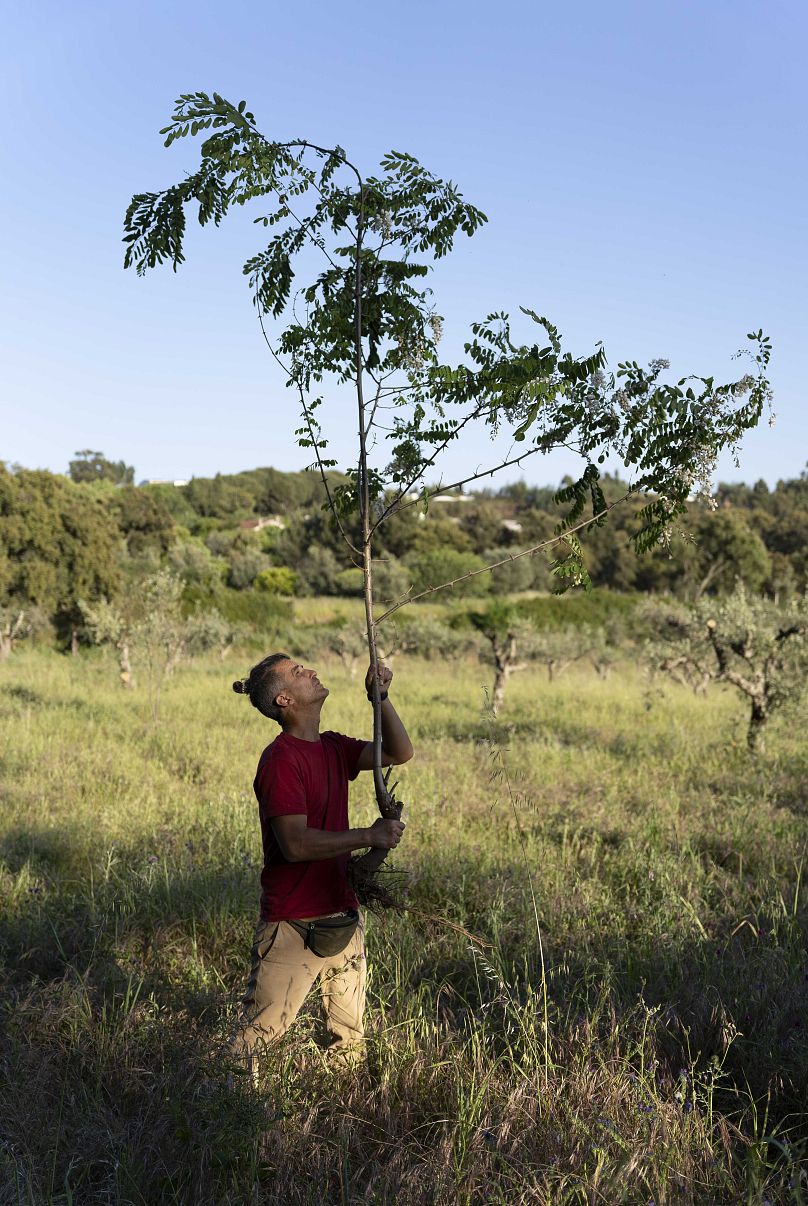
(281, 688)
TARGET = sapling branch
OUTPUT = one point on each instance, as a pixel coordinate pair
(399, 500)
(463, 481)
(558, 538)
(315, 443)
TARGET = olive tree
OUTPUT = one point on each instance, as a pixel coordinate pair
(13, 628)
(364, 320)
(150, 628)
(754, 645)
(509, 637)
(514, 643)
(106, 624)
(604, 646)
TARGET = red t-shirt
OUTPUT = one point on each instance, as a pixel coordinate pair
(308, 777)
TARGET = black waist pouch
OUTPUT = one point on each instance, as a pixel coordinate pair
(328, 935)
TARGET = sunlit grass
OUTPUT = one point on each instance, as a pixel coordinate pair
(667, 1060)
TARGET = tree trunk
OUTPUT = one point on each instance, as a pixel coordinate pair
(348, 663)
(173, 660)
(9, 635)
(712, 572)
(505, 663)
(701, 684)
(127, 678)
(74, 641)
(498, 691)
(557, 666)
(758, 719)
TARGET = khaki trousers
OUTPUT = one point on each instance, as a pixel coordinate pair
(282, 973)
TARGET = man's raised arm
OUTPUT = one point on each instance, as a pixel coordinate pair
(396, 744)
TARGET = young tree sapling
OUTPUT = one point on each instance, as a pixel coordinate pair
(366, 321)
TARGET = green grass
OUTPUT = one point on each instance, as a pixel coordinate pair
(663, 1057)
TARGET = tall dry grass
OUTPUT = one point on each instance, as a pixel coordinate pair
(662, 1055)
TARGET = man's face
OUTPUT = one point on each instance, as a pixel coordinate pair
(301, 686)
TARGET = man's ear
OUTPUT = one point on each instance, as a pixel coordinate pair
(283, 700)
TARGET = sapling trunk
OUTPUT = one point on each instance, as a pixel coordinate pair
(362, 871)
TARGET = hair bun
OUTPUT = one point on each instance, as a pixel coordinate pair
(240, 686)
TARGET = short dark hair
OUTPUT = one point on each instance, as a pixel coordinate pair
(262, 685)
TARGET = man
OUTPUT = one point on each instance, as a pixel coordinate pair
(307, 905)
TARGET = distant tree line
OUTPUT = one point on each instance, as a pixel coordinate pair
(754, 535)
(161, 572)
(240, 543)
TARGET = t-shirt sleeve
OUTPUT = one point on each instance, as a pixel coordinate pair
(281, 791)
(351, 748)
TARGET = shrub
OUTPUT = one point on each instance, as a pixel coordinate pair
(195, 563)
(442, 565)
(585, 608)
(277, 580)
(391, 579)
(209, 630)
(318, 571)
(524, 573)
(349, 581)
(431, 638)
(245, 568)
(340, 637)
(262, 612)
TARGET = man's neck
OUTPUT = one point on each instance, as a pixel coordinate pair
(305, 726)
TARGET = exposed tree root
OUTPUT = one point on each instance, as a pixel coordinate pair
(377, 889)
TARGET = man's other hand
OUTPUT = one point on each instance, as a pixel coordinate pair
(385, 834)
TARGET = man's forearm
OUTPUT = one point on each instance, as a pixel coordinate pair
(314, 844)
(395, 740)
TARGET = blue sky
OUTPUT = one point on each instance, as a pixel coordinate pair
(642, 166)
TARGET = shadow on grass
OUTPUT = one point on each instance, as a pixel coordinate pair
(109, 918)
(554, 732)
(107, 990)
(25, 695)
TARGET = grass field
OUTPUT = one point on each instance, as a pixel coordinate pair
(660, 1057)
